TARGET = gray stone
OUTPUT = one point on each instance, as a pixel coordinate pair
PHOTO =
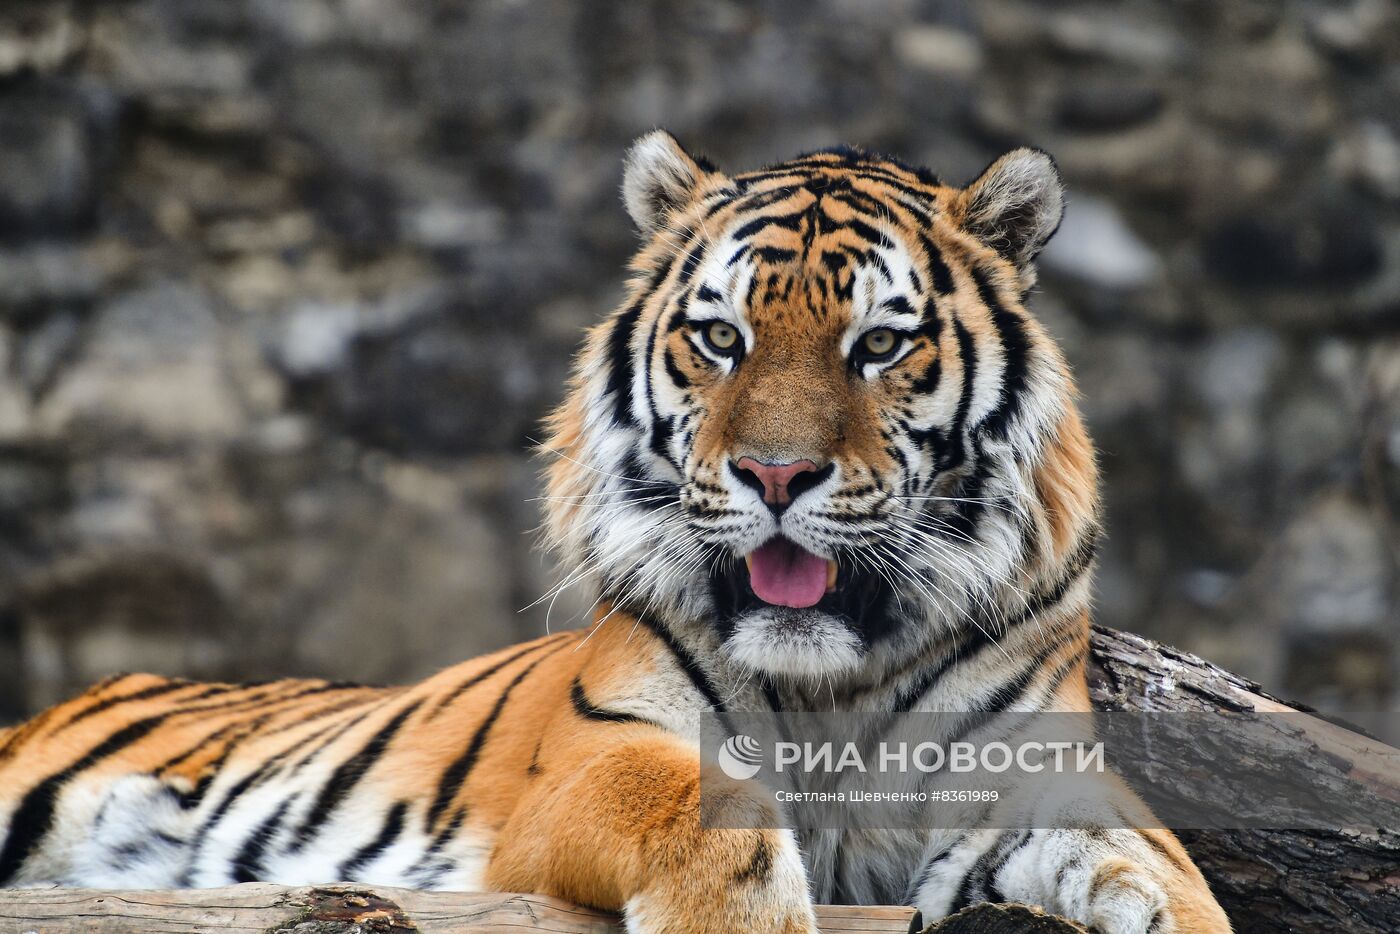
(1331, 245)
(1094, 244)
(37, 35)
(1336, 569)
(153, 363)
(46, 170)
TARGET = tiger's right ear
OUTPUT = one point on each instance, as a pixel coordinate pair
(1014, 206)
(659, 177)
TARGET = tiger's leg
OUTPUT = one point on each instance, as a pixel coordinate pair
(1115, 880)
(621, 830)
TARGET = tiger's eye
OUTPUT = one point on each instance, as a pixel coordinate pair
(879, 342)
(722, 336)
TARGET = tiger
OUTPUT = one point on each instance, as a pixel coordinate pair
(821, 456)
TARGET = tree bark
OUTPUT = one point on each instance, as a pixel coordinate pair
(261, 908)
(1267, 881)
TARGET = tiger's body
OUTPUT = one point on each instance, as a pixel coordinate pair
(821, 457)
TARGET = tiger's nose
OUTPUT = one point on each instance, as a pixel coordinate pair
(780, 484)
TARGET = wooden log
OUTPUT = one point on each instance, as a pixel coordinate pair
(1004, 919)
(261, 908)
(1267, 881)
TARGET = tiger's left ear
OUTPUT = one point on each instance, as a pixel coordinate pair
(1014, 206)
(658, 178)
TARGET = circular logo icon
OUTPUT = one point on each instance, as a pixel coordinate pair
(740, 757)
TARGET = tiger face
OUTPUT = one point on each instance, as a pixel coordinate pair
(820, 424)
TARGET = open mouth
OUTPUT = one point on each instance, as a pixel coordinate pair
(781, 577)
(782, 573)
(780, 587)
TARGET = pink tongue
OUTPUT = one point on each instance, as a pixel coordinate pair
(784, 575)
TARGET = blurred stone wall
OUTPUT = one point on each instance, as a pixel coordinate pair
(286, 285)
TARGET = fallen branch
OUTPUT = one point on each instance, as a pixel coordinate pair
(260, 908)
(1267, 881)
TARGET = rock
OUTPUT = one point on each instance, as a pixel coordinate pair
(1360, 33)
(140, 611)
(48, 183)
(939, 50)
(1109, 105)
(38, 277)
(1095, 245)
(438, 387)
(1369, 156)
(1332, 246)
(37, 35)
(152, 364)
(14, 400)
(1337, 569)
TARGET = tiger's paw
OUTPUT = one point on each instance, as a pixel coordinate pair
(753, 881)
(644, 915)
(1125, 899)
(1125, 882)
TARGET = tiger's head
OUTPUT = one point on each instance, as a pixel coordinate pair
(822, 426)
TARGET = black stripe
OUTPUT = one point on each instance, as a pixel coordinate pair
(692, 260)
(339, 706)
(1010, 692)
(911, 894)
(679, 379)
(774, 255)
(249, 781)
(346, 776)
(791, 221)
(1075, 566)
(447, 833)
(247, 866)
(647, 379)
(585, 708)
(331, 739)
(938, 270)
(687, 664)
(620, 367)
(455, 776)
(484, 674)
(810, 170)
(198, 747)
(899, 305)
(18, 734)
(867, 233)
(760, 866)
(33, 819)
(981, 876)
(261, 701)
(904, 702)
(662, 430)
(156, 690)
(764, 199)
(931, 327)
(1015, 352)
(974, 642)
(955, 454)
(388, 833)
(210, 772)
(429, 868)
